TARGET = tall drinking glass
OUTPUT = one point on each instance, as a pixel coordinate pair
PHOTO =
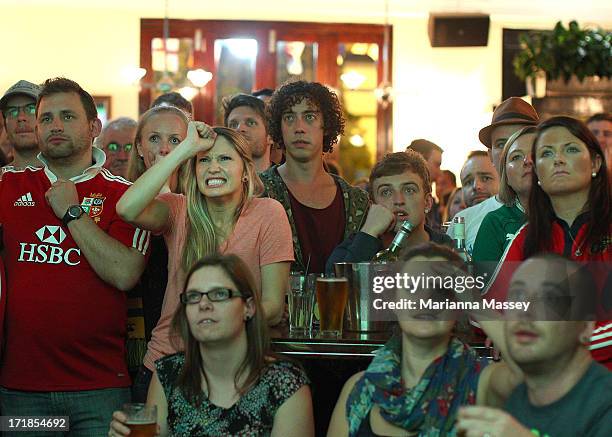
(141, 419)
(332, 294)
(301, 302)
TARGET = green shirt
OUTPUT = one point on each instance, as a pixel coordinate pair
(584, 411)
(495, 233)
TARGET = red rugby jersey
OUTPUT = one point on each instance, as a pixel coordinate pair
(601, 339)
(65, 327)
(2, 305)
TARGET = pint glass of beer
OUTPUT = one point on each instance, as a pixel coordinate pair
(332, 294)
(141, 419)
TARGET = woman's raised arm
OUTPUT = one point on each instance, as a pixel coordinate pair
(138, 205)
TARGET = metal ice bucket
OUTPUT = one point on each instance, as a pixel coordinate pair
(358, 311)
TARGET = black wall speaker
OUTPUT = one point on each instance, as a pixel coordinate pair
(458, 30)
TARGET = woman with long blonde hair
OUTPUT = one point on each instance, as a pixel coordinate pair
(499, 226)
(158, 132)
(219, 213)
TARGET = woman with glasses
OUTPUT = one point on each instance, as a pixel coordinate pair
(499, 226)
(219, 213)
(226, 382)
(569, 213)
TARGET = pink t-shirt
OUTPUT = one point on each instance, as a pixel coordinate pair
(261, 236)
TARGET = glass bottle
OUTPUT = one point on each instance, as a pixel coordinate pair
(391, 253)
(459, 238)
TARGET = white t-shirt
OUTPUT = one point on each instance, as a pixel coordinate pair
(473, 218)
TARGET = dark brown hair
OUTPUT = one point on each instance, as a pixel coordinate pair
(424, 147)
(451, 175)
(602, 116)
(62, 85)
(264, 92)
(397, 163)
(474, 153)
(240, 100)
(258, 345)
(173, 99)
(541, 213)
(326, 101)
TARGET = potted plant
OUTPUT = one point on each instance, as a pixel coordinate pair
(564, 55)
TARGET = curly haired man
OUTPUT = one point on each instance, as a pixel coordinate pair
(323, 209)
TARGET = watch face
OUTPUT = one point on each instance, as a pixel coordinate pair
(75, 211)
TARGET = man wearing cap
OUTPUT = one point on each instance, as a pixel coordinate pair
(511, 115)
(18, 106)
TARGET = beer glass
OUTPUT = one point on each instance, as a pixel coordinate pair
(141, 419)
(332, 294)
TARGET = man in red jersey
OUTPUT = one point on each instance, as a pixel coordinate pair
(2, 304)
(68, 257)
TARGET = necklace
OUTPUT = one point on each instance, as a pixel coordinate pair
(578, 251)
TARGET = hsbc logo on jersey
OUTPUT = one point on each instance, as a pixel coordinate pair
(51, 234)
(49, 253)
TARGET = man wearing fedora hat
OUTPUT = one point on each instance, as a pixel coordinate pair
(511, 115)
(18, 107)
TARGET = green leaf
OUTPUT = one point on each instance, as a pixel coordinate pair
(564, 52)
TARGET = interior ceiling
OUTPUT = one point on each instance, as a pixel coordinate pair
(595, 11)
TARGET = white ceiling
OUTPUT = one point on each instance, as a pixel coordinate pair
(587, 11)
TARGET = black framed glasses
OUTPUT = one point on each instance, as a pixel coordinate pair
(114, 147)
(218, 294)
(13, 111)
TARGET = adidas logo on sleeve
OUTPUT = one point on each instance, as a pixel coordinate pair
(25, 200)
